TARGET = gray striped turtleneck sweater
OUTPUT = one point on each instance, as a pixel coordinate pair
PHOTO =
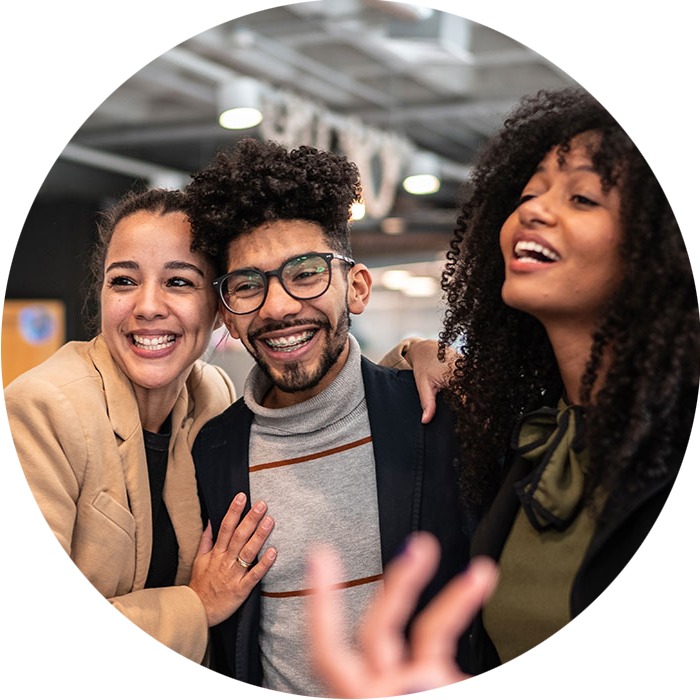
(313, 465)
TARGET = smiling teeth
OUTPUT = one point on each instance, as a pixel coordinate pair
(524, 247)
(290, 342)
(153, 343)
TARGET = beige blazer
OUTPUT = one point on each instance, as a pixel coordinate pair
(75, 424)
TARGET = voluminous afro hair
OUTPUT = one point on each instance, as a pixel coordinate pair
(638, 426)
(257, 182)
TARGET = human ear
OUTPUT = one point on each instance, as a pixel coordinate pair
(228, 320)
(359, 288)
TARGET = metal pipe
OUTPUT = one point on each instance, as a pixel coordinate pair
(53, 146)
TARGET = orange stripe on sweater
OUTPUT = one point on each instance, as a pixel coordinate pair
(308, 591)
(315, 455)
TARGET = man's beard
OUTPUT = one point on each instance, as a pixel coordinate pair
(294, 377)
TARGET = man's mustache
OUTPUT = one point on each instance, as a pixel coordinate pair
(323, 323)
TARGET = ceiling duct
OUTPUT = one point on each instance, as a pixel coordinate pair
(447, 28)
(407, 10)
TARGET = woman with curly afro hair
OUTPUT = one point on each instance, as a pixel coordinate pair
(581, 355)
(571, 300)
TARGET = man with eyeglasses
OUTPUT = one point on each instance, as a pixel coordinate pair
(332, 443)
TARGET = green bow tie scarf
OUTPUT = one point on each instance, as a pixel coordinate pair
(551, 495)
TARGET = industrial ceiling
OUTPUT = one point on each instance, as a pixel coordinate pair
(389, 79)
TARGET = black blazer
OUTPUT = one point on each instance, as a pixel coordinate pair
(416, 470)
(635, 601)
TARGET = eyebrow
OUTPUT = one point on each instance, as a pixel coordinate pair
(173, 265)
(585, 168)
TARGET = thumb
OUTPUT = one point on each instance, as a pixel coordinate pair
(206, 542)
(426, 394)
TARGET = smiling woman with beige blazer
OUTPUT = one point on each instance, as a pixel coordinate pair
(103, 430)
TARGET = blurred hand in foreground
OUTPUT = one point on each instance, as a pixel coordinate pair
(385, 663)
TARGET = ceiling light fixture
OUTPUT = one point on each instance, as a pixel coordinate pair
(424, 172)
(395, 279)
(676, 74)
(357, 211)
(239, 104)
(421, 287)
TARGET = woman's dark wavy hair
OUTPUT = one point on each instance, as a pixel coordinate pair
(155, 201)
(260, 181)
(639, 424)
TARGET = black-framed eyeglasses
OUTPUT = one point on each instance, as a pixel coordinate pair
(303, 277)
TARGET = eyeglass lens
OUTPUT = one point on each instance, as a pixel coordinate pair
(304, 277)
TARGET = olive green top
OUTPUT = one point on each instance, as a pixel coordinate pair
(549, 537)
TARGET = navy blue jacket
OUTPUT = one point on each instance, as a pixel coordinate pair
(416, 469)
(635, 601)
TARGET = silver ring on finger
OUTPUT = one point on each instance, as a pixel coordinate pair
(244, 564)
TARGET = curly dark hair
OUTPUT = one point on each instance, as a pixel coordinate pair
(260, 181)
(154, 200)
(639, 424)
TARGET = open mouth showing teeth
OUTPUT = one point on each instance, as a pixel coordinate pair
(290, 342)
(153, 342)
(529, 251)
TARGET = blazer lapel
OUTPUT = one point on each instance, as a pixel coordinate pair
(397, 441)
(180, 489)
(123, 413)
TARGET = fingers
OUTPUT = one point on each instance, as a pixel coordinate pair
(435, 632)
(249, 551)
(233, 536)
(381, 634)
(340, 668)
(254, 575)
(249, 525)
(228, 524)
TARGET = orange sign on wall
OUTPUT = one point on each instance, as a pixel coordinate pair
(32, 330)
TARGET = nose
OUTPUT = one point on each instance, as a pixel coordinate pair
(150, 302)
(538, 210)
(278, 304)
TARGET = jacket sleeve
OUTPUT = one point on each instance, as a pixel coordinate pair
(82, 644)
(396, 357)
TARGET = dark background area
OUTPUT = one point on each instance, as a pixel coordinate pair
(45, 253)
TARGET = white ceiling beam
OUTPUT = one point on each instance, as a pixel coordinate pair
(154, 134)
(88, 156)
(536, 54)
(319, 70)
(454, 110)
(192, 62)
